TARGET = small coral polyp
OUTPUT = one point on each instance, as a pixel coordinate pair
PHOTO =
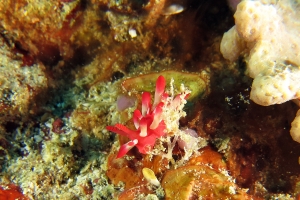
(151, 122)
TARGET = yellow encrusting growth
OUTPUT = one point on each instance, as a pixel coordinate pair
(150, 176)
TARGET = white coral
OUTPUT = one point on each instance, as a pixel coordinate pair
(276, 85)
(296, 127)
(267, 35)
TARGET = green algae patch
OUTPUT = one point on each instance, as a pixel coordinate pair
(197, 83)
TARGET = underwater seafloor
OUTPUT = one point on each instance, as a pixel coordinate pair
(70, 68)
